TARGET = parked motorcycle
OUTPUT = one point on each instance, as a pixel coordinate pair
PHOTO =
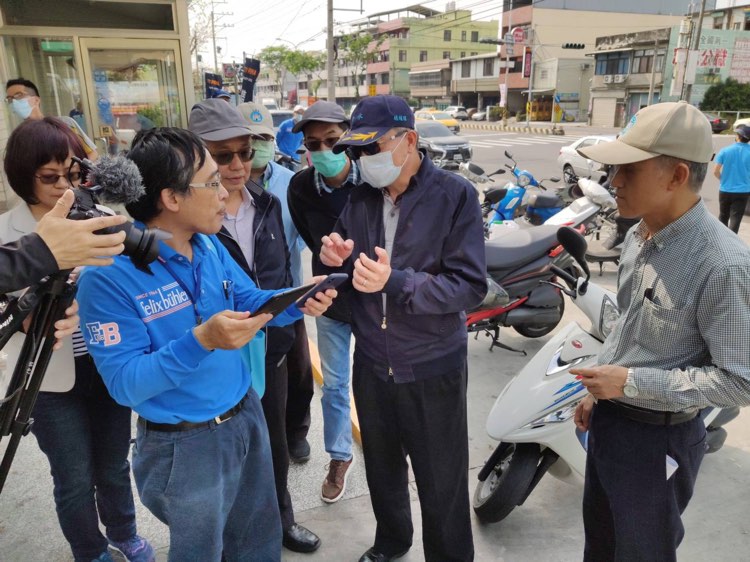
(533, 416)
(514, 199)
(520, 296)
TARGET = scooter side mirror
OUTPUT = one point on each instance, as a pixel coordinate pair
(575, 244)
(508, 154)
(554, 179)
(474, 169)
(497, 172)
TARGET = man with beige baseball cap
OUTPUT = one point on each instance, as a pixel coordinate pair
(679, 345)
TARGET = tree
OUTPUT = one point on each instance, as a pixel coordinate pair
(276, 58)
(727, 96)
(200, 32)
(306, 62)
(356, 49)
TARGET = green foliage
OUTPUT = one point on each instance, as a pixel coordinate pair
(298, 62)
(356, 50)
(726, 96)
(495, 112)
(153, 114)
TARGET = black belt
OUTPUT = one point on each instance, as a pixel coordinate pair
(186, 425)
(644, 415)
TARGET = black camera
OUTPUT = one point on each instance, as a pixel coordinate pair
(140, 245)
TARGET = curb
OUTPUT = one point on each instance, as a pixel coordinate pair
(318, 376)
(512, 128)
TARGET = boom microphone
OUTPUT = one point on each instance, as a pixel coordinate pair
(114, 179)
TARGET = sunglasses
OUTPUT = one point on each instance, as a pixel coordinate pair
(52, 179)
(374, 147)
(313, 145)
(225, 157)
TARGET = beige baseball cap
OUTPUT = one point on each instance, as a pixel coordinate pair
(257, 118)
(675, 129)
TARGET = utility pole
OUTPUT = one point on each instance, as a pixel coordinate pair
(507, 64)
(331, 90)
(653, 69)
(696, 44)
(214, 16)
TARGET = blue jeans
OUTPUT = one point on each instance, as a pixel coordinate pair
(213, 487)
(334, 344)
(86, 437)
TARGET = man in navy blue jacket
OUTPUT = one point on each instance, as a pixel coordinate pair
(412, 239)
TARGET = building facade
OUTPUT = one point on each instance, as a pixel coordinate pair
(115, 67)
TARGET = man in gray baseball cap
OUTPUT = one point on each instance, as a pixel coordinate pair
(253, 233)
(680, 343)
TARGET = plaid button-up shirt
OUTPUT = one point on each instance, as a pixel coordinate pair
(684, 297)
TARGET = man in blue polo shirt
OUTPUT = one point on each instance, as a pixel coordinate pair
(167, 341)
(733, 170)
(289, 140)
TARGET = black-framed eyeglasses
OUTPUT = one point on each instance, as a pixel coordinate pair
(52, 179)
(374, 147)
(314, 145)
(225, 157)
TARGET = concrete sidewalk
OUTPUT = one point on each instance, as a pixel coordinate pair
(534, 127)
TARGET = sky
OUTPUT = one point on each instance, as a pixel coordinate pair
(301, 23)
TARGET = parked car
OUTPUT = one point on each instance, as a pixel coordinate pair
(471, 111)
(444, 147)
(279, 116)
(440, 117)
(457, 112)
(575, 166)
(717, 123)
(480, 115)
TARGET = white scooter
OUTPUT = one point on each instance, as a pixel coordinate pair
(533, 415)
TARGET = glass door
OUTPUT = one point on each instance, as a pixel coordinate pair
(132, 85)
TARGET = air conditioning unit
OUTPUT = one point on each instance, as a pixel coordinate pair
(620, 78)
(607, 78)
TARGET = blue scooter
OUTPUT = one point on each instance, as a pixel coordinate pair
(508, 202)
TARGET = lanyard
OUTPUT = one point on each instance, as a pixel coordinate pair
(198, 317)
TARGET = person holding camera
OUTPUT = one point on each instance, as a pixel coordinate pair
(83, 432)
(172, 344)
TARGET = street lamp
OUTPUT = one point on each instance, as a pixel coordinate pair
(295, 45)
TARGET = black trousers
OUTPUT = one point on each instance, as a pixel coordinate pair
(300, 386)
(631, 511)
(425, 420)
(274, 409)
(732, 208)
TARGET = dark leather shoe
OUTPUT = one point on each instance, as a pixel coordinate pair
(299, 452)
(373, 555)
(299, 539)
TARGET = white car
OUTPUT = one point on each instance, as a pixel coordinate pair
(575, 166)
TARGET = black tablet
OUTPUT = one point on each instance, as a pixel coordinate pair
(281, 301)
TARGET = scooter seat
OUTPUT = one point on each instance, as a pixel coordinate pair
(493, 195)
(545, 201)
(518, 247)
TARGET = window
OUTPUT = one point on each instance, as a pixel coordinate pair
(425, 80)
(466, 69)
(402, 55)
(474, 36)
(446, 54)
(422, 56)
(612, 63)
(463, 36)
(642, 60)
(384, 78)
(447, 35)
(463, 54)
(474, 53)
(489, 67)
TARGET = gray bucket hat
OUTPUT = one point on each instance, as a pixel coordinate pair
(216, 120)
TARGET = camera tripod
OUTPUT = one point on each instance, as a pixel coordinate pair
(48, 300)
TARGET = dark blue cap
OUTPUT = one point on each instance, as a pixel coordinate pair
(373, 117)
(222, 94)
(743, 131)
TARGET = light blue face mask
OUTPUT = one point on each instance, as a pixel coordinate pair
(328, 163)
(22, 108)
(264, 151)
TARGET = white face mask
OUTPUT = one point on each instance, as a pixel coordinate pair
(379, 170)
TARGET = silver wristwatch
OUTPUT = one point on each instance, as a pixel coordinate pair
(630, 390)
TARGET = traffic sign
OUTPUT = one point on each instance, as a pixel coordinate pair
(508, 39)
(519, 34)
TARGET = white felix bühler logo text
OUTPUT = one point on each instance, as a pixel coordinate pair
(165, 300)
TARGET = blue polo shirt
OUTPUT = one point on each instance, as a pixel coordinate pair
(287, 141)
(735, 168)
(139, 330)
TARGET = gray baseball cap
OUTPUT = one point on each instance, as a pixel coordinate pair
(216, 120)
(325, 111)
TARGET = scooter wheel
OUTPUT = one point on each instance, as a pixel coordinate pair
(506, 485)
(539, 330)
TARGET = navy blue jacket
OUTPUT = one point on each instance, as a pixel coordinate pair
(438, 271)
